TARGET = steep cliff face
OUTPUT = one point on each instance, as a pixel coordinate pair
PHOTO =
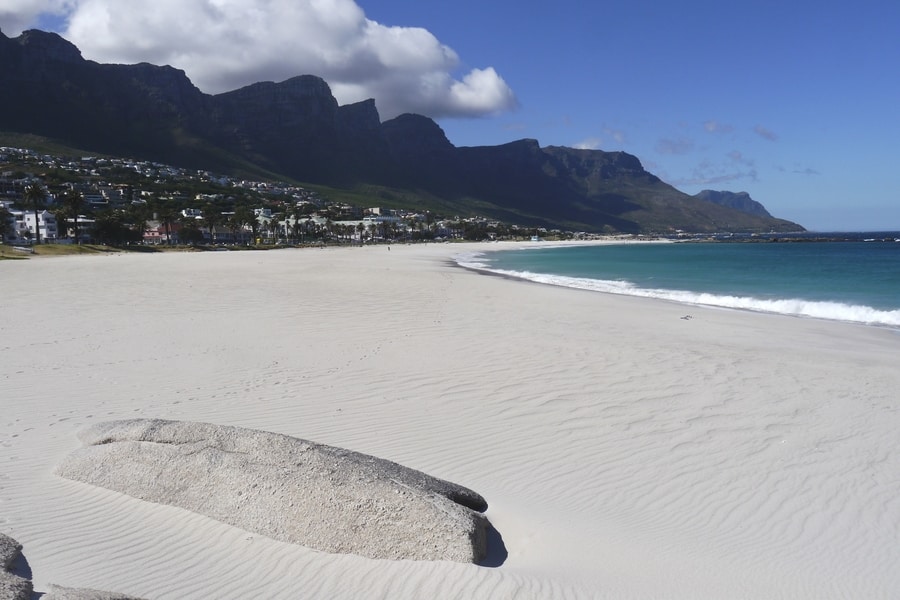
(278, 124)
(113, 108)
(296, 128)
(414, 136)
(738, 200)
(363, 146)
(34, 52)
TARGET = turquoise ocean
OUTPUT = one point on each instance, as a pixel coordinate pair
(855, 280)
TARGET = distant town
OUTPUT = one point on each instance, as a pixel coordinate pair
(45, 198)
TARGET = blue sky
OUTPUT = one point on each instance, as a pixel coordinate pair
(795, 102)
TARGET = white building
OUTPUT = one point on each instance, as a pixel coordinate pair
(25, 225)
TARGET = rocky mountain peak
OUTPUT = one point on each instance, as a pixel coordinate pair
(737, 200)
(49, 46)
(415, 133)
(296, 128)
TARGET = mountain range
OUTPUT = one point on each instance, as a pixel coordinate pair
(296, 130)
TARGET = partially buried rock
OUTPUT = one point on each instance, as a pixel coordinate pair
(289, 489)
(58, 592)
(12, 587)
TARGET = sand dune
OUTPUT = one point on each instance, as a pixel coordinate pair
(624, 452)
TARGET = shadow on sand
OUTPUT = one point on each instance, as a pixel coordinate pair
(496, 549)
(21, 568)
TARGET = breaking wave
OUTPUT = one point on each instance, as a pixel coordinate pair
(834, 311)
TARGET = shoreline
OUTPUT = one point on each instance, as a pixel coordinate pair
(624, 451)
(785, 306)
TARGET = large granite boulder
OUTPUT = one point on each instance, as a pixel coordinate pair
(289, 489)
(12, 587)
(58, 592)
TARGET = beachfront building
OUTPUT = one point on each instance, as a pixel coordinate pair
(85, 225)
(26, 227)
(156, 233)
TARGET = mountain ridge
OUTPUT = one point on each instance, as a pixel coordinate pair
(296, 128)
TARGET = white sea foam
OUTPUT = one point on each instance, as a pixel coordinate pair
(834, 311)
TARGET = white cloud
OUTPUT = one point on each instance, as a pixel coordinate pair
(616, 134)
(226, 44)
(595, 143)
(17, 15)
(715, 173)
(674, 146)
(738, 157)
(765, 133)
(588, 144)
(713, 126)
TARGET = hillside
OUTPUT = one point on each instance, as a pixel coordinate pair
(296, 130)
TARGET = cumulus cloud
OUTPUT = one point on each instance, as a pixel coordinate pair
(674, 146)
(17, 15)
(806, 171)
(765, 133)
(738, 157)
(226, 44)
(707, 172)
(588, 144)
(617, 135)
(713, 126)
(610, 136)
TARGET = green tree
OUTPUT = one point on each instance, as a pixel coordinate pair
(110, 228)
(137, 215)
(63, 215)
(274, 227)
(73, 202)
(190, 232)
(254, 226)
(166, 214)
(242, 217)
(295, 227)
(6, 227)
(35, 197)
(212, 218)
(235, 225)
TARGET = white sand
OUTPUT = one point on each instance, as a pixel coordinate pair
(625, 452)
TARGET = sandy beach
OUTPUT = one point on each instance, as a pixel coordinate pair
(624, 451)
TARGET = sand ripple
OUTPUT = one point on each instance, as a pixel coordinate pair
(626, 452)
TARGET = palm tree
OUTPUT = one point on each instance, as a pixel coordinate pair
(234, 225)
(242, 217)
(166, 214)
(296, 230)
(273, 226)
(35, 197)
(212, 218)
(294, 223)
(138, 215)
(254, 226)
(73, 202)
(6, 227)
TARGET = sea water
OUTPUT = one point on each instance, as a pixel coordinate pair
(856, 281)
